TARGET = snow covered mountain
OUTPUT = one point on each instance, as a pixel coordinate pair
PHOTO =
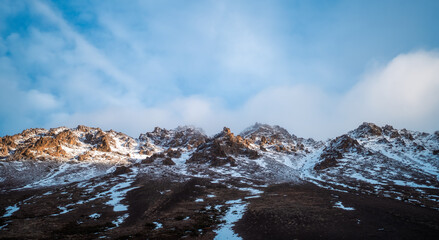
(182, 183)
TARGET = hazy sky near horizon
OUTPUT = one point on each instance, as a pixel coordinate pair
(317, 68)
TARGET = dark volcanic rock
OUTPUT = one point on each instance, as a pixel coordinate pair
(153, 157)
(390, 131)
(217, 150)
(168, 154)
(122, 170)
(173, 153)
(336, 149)
(406, 134)
(148, 160)
(168, 161)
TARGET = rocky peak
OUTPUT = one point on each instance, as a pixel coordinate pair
(182, 136)
(275, 137)
(259, 130)
(366, 130)
(222, 148)
(158, 130)
(227, 131)
(83, 128)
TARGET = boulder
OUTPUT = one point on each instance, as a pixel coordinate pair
(168, 161)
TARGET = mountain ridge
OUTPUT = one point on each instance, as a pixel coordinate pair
(165, 168)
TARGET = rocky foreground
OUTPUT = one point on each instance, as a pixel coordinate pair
(265, 183)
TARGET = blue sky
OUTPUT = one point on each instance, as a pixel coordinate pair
(317, 68)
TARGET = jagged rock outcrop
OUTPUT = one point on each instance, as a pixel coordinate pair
(336, 149)
(101, 140)
(44, 147)
(180, 137)
(85, 156)
(41, 144)
(166, 157)
(270, 133)
(63, 144)
(67, 137)
(275, 137)
(7, 143)
(105, 144)
(367, 130)
(3, 151)
(173, 153)
(220, 149)
(168, 162)
(390, 131)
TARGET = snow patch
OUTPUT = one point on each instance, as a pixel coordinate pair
(63, 210)
(252, 191)
(157, 225)
(11, 210)
(120, 220)
(233, 214)
(341, 206)
(117, 194)
(3, 226)
(95, 215)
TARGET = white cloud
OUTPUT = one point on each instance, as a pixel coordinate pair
(404, 93)
(41, 101)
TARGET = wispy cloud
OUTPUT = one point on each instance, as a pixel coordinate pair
(402, 92)
(87, 53)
